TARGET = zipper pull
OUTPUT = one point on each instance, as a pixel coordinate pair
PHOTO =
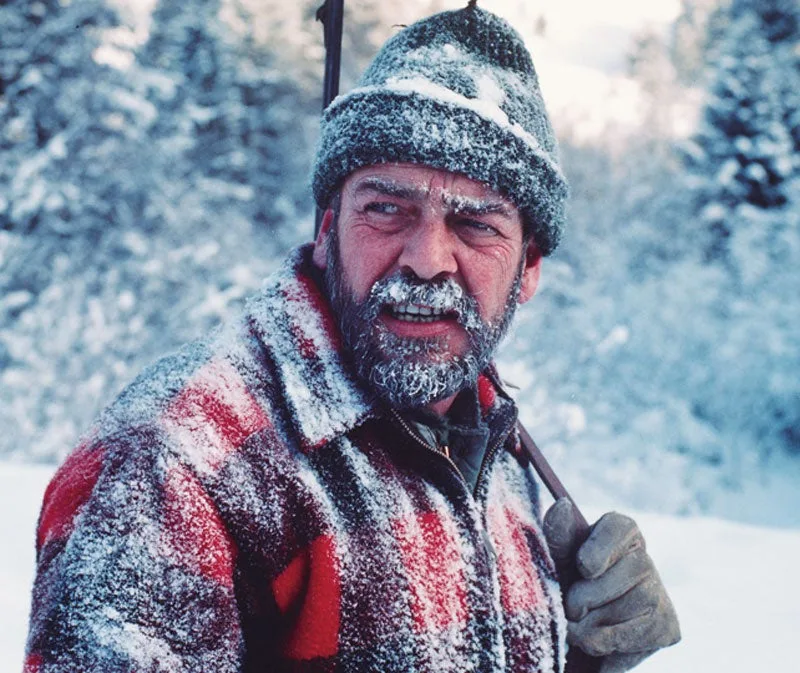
(446, 450)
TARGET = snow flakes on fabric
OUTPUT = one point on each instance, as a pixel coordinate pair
(431, 555)
(295, 324)
(68, 492)
(520, 588)
(213, 415)
(122, 592)
(312, 584)
(251, 510)
(517, 533)
(486, 104)
(195, 534)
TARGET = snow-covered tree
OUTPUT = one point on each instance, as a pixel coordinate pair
(692, 38)
(142, 194)
(55, 101)
(63, 183)
(235, 128)
(744, 176)
(744, 152)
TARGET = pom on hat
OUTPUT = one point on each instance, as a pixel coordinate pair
(456, 91)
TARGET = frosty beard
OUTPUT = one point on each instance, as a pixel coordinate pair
(412, 373)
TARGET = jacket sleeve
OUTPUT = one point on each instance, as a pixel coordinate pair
(135, 568)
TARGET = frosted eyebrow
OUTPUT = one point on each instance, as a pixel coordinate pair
(462, 205)
(390, 188)
(470, 206)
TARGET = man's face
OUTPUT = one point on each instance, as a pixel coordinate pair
(424, 269)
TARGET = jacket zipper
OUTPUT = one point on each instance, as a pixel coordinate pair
(487, 541)
(443, 452)
(487, 458)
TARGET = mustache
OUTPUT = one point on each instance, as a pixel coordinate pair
(445, 295)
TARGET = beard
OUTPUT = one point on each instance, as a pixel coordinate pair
(412, 373)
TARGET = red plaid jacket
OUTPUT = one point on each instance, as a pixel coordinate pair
(244, 506)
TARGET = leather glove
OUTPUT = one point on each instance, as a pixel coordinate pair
(616, 605)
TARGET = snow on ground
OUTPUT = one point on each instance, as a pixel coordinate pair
(21, 489)
(735, 586)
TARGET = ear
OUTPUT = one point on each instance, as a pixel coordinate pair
(532, 266)
(320, 254)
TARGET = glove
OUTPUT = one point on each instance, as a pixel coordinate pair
(616, 605)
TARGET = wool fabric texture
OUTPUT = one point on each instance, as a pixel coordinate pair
(456, 91)
(246, 506)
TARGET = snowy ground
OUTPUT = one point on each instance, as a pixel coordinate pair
(735, 586)
(21, 489)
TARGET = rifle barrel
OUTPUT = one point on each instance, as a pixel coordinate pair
(332, 16)
(333, 19)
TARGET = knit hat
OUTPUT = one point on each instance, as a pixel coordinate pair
(456, 91)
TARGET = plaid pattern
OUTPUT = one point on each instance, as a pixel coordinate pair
(244, 506)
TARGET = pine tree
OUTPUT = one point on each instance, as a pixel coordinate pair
(236, 128)
(744, 153)
(53, 97)
(744, 174)
(780, 23)
(141, 198)
(65, 123)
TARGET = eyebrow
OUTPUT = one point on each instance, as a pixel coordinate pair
(459, 204)
(469, 205)
(390, 188)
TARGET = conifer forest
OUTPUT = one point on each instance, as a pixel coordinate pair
(155, 168)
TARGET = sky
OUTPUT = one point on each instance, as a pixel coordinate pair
(581, 58)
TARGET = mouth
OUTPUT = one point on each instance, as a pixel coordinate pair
(418, 314)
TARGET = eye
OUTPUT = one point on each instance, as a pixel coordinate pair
(476, 228)
(382, 208)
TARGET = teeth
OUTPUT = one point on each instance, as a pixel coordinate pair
(417, 310)
(412, 313)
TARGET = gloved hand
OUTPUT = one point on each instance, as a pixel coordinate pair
(617, 607)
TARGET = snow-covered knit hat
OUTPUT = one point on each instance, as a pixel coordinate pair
(456, 91)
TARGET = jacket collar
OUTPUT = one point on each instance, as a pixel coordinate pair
(293, 320)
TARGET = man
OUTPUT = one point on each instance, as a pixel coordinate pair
(334, 481)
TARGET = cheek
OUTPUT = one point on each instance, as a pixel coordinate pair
(363, 263)
(490, 282)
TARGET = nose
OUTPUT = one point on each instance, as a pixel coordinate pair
(429, 251)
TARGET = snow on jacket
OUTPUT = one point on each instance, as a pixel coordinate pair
(245, 506)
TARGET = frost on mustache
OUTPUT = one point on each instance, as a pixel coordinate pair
(446, 296)
(415, 372)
